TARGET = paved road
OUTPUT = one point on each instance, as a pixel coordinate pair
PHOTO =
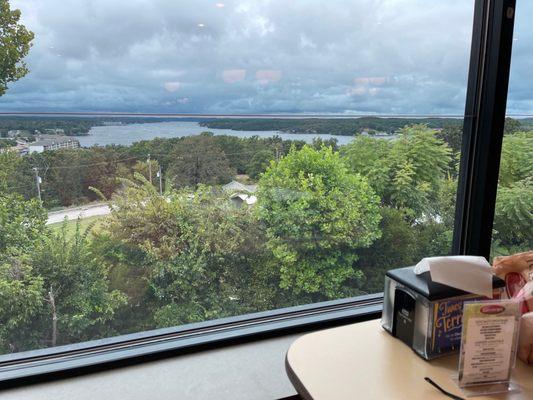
(78, 212)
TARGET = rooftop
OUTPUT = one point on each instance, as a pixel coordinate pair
(235, 186)
(48, 140)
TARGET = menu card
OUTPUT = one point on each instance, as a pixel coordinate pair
(488, 341)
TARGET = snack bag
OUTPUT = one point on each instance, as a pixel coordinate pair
(517, 271)
(525, 340)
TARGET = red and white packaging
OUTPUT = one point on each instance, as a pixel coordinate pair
(517, 271)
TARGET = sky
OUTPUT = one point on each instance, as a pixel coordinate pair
(256, 57)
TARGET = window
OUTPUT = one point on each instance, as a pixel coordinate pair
(176, 163)
(513, 220)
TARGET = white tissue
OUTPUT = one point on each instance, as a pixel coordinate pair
(469, 273)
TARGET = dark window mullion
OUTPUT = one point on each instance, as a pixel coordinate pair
(484, 121)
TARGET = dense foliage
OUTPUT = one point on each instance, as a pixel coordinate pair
(513, 220)
(15, 43)
(32, 125)
(316, 215)
(331, 126)
(328, 222)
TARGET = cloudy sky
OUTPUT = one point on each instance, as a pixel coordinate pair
(256, 56)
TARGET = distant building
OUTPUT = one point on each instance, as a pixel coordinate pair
(241, 194)
(379, 135)
(21, 149)
(235, 186)
(53, 143)
(54, 131)
(238, 199)
(17, 132)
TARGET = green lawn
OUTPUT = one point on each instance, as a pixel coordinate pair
(84, 224)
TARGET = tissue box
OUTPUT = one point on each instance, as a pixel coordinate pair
(426, 315)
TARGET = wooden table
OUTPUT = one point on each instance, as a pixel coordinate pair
(362, 361)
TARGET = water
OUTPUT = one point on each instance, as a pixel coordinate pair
(129, 133)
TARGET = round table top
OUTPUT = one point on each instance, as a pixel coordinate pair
(362, 361)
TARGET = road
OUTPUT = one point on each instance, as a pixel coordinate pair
(88, 211)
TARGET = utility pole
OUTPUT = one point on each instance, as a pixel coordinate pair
(38, 183)
(149, 168)
(160, 176)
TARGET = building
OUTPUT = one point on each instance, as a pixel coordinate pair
(50, 143)
(238, 199)
(17, 132)
(241, 194)
(21, 148)
(55, 131)
(237, 187)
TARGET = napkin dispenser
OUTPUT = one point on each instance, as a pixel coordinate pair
(424, 314)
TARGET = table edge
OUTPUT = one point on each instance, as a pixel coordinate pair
(295, 381)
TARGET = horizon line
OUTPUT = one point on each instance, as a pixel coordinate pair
(201, 115)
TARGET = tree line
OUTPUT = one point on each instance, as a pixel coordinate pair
(331, 126)
(70, 126)
(67, 175)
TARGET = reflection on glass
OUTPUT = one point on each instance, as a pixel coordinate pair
(118, 223)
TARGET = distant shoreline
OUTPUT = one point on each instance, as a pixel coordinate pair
(333, 126)
(126, 134)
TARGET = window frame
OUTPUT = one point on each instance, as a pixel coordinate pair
(85, 357)
(486, 103)
(476, 196)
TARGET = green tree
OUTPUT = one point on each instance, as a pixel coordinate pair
(10, 163)
(15, 43)
(367, 156)
(22, 227)
(16, 175)
(453, 136)
(144, 219)
(102, 170)
(21, 301)
(78, 302)
(196, 160)
(516, 161)
(146, 169)
(53, 290)
(397, 247)
(318, 143)
(259, 163)
(238, 151)
(223, 268)
(316, 214)
(64, 177)
(511, 126)
(22, 224)
(205, 258)
(513, 218)
(405, 173)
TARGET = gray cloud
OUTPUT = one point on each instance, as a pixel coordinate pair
(251, 56)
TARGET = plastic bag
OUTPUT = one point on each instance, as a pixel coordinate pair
(517, 271)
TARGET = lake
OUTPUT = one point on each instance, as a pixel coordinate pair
(127, 134)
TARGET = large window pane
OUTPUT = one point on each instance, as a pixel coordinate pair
(513, 219)
(280, 153)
